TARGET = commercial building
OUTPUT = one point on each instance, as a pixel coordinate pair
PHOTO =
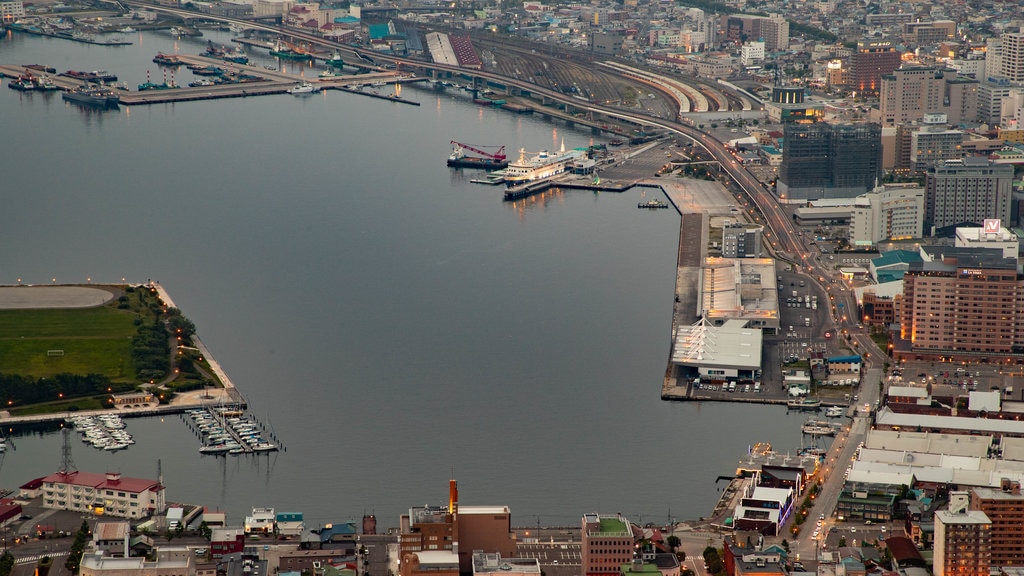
(606, 544)
(461, 529)
(1004, 507)
(992, 235)
(934, 32)
(741, 240)
(933, 142)
(773, 30)
(962, 305)
(968, 190)
(170, 561)
(739, 289)
(11, 10)
(887, 213)
(962, 539)
(991, 94)
(871, 61)
(108, 494)
(763, 509)
(908, 93)
(493, 564)
(1011, 62)
(429, 563)
(726, 352)
(824, 160)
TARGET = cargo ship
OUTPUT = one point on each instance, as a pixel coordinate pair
(92, 96)
(98, 76)
(543, 165)
(484, 160)
(167, 59)
(289, 52)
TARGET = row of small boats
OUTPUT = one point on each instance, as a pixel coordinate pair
(103, 432)
(223, 434)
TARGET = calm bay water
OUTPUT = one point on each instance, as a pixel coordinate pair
(390, 320)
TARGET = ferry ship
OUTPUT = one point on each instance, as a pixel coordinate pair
(543, 165)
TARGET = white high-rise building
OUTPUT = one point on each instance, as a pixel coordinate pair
(1011, 63)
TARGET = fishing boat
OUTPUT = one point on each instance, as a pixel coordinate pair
(834, 411)
(652, 203)
(804, 404)
(303, 88)
(335, 60)
(818, 428)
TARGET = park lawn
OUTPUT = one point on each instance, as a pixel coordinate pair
(94, 341)
(103, 322)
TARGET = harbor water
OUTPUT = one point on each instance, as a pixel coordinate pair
(389, 320)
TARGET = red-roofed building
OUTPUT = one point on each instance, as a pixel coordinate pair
(9, 509)
(107, 494)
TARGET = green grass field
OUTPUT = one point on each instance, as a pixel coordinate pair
(94, 341)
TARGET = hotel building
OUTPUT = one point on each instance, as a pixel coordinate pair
(103, 494)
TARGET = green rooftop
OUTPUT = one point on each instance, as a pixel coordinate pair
(612, 526)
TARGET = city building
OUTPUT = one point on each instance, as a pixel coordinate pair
(922, 33)
(968, 190)
(1004, 507)
(962, 539)
(107, 494)
(111, 538)
(908, 93)
(991, 235)
(933, 142)
(887, 213)
(871, 61)
(429, 563)
(741, 240)
(493, 564)
(718, 353)
(961, 305)
(1011, 59)
(826, 160)
(739, 289)
(170, 561)
(260, 521)
(991, 94)
(772, 29)
(462, 529)
(606, 544)
(224, 541)
(763, 509)
(11, 10)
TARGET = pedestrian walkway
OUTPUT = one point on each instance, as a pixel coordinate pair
(38, 557)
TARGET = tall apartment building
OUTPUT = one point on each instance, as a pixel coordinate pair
(773, 29)
(962, 539)
(826, 160)
(887, 213)
(870, 62)
(991, 94)
(933, 142)
(606, 544)
(1004, 507)
(907, 94)
(742, 240)
(961, 305)
(1011, 58)
(968, 190)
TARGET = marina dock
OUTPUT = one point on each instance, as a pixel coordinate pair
(274, 82)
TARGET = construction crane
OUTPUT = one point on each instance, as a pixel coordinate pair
(498, 156)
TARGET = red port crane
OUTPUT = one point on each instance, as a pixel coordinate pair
(499, 155)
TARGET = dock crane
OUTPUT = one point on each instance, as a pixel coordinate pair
(459, 150)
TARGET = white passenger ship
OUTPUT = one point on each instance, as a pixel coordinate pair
(543, 165)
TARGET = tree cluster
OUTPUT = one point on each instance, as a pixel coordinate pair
(24, 390)
(74, 560)
(150, 351)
